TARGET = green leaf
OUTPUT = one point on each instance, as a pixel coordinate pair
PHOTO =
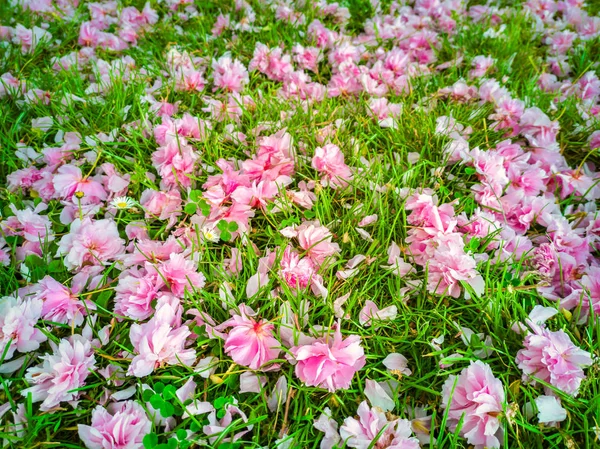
(166, 410)
(150, 441)
(309, 214)
(159, 387)
(474, 244)
(184, 444)
(55, 266)
(156, 401)
(233, 226)
(194, 427)
(195, 195)
(470, 171)
(181, 434)
(225, 236)
(103, 297)
(222, 225)
(169, 392)
(190, 208)
(172, 443)
(220, 402)
(147, 395)
(178, 410)
(221, 413)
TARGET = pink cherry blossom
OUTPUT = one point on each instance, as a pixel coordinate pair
(62, 304)
(161, 341)
(330, 361)
(552, 357)
(476, 397)
(69, 179)
(122, 425)
(250, 342)
(90, 243)
(60, 373)
(372, 426)
(17, 325)
(180, 274)
(329, 161)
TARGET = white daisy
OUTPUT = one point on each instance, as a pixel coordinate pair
(211, 234)
(122, 202)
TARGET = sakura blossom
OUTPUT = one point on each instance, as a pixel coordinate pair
(308, 223)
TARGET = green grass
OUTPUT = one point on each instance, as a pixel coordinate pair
(421, 318)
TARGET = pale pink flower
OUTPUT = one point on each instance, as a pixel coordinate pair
(299, 273)
(29, 224)
(258, 195)
(476, 397)
(539, 130)
(370, 313)
(17, 326)
(181, 274)
(553, 358)
(135, 292)
(122, 425)
(90, 243)
(69, 180)
(316, 241)
(372, 426)
(450, 265)
(61, 304)
(229, 74)
(326, 424)
(161, 341)
(397, 362)
(481, 64)
(175, 162)
(250, 343)
(162, 205)
(216, 426)
(330, 361)
(329, 161)
(61, 372)
(307, 58)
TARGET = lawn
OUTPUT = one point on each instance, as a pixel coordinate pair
(298, 224)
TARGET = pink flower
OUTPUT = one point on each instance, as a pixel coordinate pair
(450, 265)
(370, 313)
(123, 425)
(216, 427)
(29, 224)
(135, 292)
(61, 372)
(90, 242)
(162, 205)
(250, 343)
(316, 241)
(17, 325)
(61, 304)
(539, 130)
(329, 161)
(477, 397)
(372, 425)
(69, 180)
(229, 74)
(160, 341)
(481, 64)
(180, 274)
(175, 162)
(330, 361)
(552, 357)
(299, 273)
